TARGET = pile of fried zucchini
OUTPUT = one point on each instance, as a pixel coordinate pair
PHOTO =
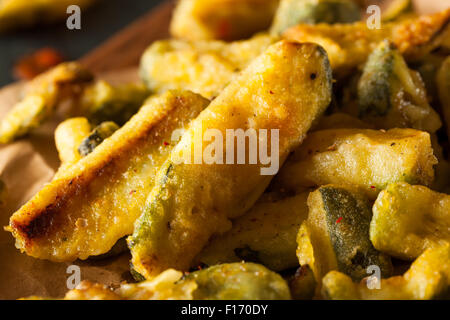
(364, 123)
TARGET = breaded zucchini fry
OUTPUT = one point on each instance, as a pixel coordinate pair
(41, 97)
(193, 202)
(349, 45)
(267, 234)
(238, 281)
(443, 86)
(68, 136)
(221, 19)
(96, 201)
(234, 281)
(392, 96)
(99, 102)
(75, 140)
(169, 285)
(102, 102)
(204, 67)
(408, 219)
(336, 234)
(368, 160)
(96, 137)
(427, 278)
(293, 12)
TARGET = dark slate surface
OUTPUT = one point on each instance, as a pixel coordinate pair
(98, 23)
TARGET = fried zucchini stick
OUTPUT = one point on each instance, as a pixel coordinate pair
(40, 99)
(285, 89)
(349, 45)
(336, 234)
(368, 160)
(96, 201)
(233, 281)
(427, 278)
(204, 67)
(408, 219)
(266, 234)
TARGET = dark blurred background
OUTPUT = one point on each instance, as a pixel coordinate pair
(98, 23)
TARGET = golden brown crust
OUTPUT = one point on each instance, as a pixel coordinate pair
(349, 45)
(94, 202)
(421, 35)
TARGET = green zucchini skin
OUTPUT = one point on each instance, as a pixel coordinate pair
(427, 278)
(374, 89)
(408, 219)
(232, 281)
(293, 12)
(336, 235)
(238, 281)
(96, 137)
(348, 217)
(391, 95)
(103, 102)
(136, 275)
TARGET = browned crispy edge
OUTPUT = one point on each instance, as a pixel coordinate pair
(38, 224)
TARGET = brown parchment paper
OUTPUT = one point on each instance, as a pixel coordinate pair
(25, 166)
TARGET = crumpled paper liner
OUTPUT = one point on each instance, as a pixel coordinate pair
(25, 166)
